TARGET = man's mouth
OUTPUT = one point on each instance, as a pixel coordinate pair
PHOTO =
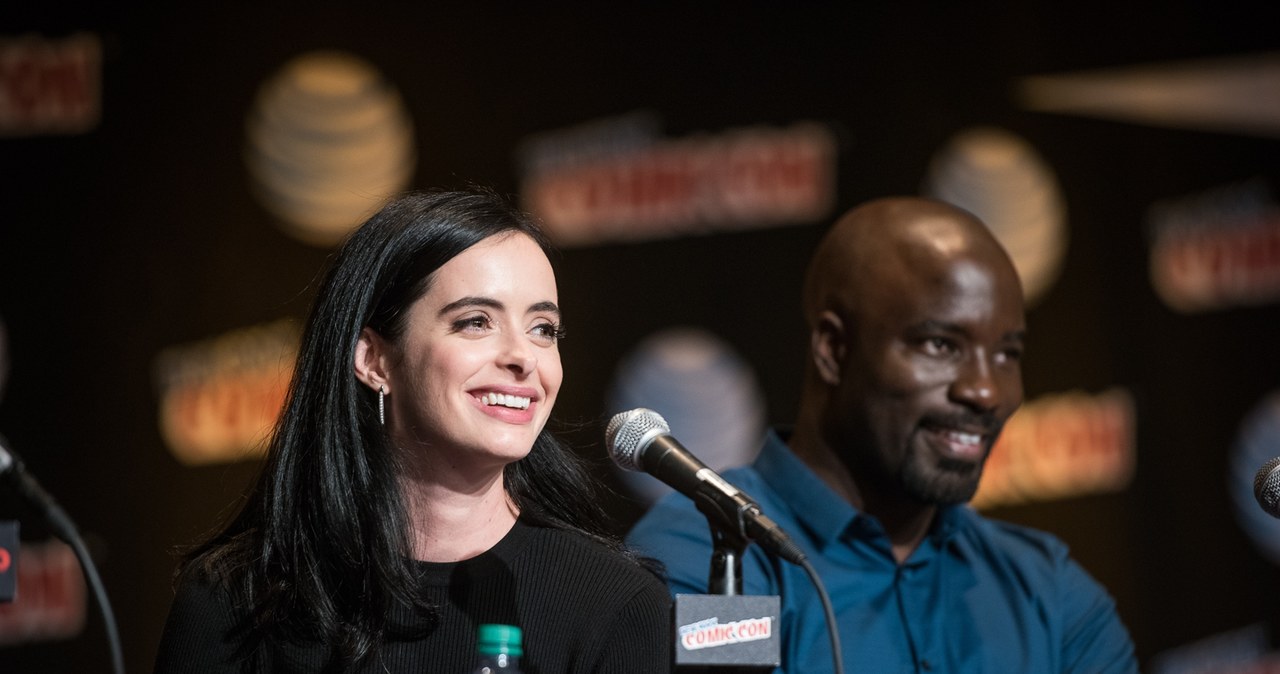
(959, 443)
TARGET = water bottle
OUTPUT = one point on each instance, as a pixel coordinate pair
(499, 648)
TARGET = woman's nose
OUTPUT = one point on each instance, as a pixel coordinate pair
(517, 355)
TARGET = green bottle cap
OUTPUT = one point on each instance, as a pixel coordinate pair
(499, 639)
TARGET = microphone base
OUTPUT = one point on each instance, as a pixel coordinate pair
(724, 634)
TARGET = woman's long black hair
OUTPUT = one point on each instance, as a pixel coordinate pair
(320, 550)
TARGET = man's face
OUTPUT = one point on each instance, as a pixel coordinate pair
(930, 373)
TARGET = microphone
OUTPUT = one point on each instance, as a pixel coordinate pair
(13, 472)
(1266, 487)
(640, 440)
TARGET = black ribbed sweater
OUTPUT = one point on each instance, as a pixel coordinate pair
(583, 609)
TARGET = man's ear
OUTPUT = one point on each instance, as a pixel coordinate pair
(827, 344)
(371, 360)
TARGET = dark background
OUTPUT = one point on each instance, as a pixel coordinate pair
(143, 234)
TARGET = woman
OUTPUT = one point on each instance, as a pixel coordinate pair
(411, 492)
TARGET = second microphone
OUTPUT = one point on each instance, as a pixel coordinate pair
(640, 439)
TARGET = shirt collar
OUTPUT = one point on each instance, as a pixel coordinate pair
(814, 504)
(824, 513)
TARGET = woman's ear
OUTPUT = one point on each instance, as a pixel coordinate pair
(371, 360)
(827, 343)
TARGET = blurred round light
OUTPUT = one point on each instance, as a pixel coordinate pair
(704, 390)
(328, 141)
(1000, 178)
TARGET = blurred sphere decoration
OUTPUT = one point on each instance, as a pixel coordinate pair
(328, 141)
(1000, 178)
(705, 391)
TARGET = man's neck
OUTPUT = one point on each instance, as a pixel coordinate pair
(906, 521)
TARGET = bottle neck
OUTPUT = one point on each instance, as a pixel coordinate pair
(499, 661)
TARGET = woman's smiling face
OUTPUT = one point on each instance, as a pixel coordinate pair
(476, 373)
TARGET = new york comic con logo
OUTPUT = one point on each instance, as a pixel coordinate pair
(710, 633)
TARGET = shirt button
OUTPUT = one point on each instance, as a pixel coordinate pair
(926, 665)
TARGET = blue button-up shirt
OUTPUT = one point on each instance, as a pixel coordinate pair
(976, 596)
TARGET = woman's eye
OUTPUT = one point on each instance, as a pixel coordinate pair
(549, 332)
(471, 323)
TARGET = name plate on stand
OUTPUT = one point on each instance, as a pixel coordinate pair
(720, 632)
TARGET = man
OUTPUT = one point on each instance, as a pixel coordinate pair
(916, 336)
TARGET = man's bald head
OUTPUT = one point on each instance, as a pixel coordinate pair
(874, 241)
(916, 331)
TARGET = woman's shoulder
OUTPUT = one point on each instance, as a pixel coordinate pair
(579, 556)
(586, 588)
(201, 620)
(213, 583)
(204, 590)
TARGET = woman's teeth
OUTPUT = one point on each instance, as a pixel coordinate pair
(516, 402)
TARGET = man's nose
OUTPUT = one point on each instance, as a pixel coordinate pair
(976, 385)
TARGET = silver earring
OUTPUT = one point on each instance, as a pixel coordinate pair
(382, 405)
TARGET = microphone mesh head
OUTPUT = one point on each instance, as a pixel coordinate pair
(1266, 487)
(629, 432)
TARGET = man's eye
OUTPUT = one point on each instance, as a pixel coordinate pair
(939, 345)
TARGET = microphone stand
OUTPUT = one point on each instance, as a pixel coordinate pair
(725, 607)
(726, 562)
(725, 584)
